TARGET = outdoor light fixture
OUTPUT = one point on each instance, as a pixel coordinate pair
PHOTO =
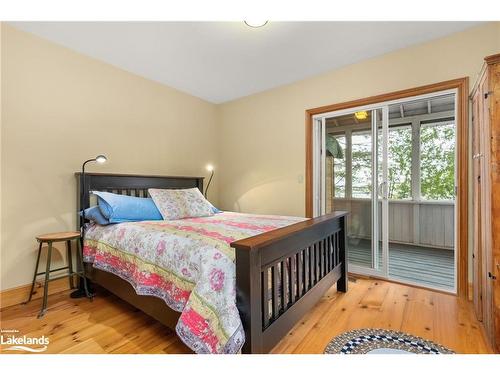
(210, 168)
(361, 115)
(256, 23)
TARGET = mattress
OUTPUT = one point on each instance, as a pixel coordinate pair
(187, 263)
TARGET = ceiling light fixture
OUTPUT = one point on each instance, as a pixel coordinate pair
(361, 115)
(255, 23)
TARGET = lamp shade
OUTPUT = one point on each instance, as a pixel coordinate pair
(101, 159)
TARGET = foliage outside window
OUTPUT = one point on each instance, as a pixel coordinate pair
(399, 163)
(437, 161)
(361, 150)
(339, 169)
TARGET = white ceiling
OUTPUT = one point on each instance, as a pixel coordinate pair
(222, 61)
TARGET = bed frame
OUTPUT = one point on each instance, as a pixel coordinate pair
(298, 263)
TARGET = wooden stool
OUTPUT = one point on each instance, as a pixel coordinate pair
(49, 239)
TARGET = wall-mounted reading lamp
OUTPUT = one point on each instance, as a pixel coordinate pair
(210, 168)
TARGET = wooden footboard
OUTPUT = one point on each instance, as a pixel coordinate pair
(280, 276)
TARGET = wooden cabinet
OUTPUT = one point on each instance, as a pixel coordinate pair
(486, 197)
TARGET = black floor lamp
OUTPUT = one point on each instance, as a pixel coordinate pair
(80, 292)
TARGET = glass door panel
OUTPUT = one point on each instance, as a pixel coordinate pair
(353, 150)
(359, 233)
(392, 166)
(422, 152)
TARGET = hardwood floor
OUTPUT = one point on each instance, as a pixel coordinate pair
(109, 325)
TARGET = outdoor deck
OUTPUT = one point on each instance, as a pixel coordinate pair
(427, 266)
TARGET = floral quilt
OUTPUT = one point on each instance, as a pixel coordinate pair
(189, 264)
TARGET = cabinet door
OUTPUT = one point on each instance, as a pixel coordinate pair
(492, 108)
(477, 241)
(486, 207)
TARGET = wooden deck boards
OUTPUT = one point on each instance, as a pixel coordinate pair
(420, 265)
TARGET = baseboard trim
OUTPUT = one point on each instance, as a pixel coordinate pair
(17, 295)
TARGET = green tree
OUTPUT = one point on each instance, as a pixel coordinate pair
(399, 163)
(437, 161)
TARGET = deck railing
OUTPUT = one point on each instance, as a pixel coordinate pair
(426, 223)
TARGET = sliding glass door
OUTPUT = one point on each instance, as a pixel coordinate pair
(392, 166)
(353, 167)
(422, 180)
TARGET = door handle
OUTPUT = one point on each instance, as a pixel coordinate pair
(382, 190)
(491, 276)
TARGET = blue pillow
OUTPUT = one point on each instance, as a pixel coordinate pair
(215, 210)
(94, 214)
(122, 208)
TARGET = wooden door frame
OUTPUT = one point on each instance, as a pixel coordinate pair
(462, 121)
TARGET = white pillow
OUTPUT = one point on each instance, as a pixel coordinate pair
(176, 204)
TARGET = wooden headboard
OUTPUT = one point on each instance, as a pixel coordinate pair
(129, 184)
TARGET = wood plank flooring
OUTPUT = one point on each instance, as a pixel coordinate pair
(109, 325)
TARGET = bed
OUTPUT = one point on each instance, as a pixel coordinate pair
(224, 283)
